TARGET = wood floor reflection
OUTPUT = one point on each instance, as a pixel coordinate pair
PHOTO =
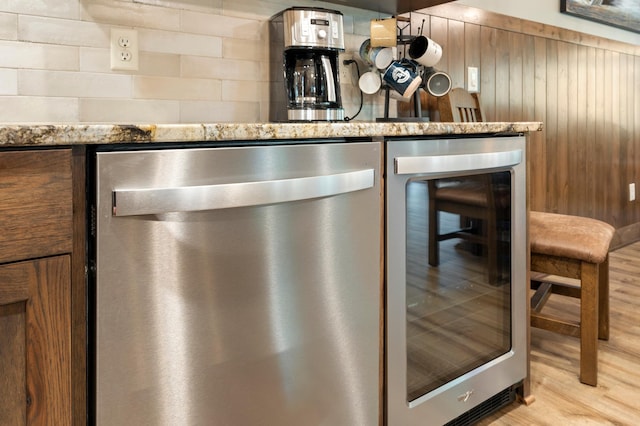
(560, 399)
(456, 319)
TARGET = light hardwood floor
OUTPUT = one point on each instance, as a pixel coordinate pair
(560, 399)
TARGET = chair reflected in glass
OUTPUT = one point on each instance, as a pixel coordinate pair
(481, 202)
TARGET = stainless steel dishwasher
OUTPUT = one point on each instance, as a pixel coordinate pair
(237, 285)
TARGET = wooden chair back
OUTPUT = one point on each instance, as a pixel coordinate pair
(460, 106)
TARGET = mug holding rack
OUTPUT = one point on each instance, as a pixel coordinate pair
(404, 40)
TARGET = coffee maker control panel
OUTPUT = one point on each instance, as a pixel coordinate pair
(313, 27)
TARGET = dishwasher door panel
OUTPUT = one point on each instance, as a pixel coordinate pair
(257, 315)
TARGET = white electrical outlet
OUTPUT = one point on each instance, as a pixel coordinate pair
(473, 85)
(632, 192)
(124, 49)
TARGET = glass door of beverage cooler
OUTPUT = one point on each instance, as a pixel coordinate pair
(458, 279)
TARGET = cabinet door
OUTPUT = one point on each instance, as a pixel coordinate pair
(35, 204)
(35, 342)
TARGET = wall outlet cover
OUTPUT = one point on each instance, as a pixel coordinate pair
(124, 49)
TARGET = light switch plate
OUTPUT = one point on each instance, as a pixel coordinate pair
(473, 80)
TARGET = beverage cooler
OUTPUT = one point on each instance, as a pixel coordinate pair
(456, 278)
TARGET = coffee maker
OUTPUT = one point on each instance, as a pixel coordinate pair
(305, 44)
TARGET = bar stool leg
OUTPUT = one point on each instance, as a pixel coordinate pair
(589, 306)
(603, 300)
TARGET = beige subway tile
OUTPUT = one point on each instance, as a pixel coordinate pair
(254, 9)
(8, 26)
(131, 15)
(95, 59)
(224, 26)
(241, 91)
(216, 112)
(179, 43)
(198, 5)
(62, 31)
(15, 54)
(73, 84)
(233, 48)
(129, 111)
(159, 64)
(264, 101)
(222, 69)
(31, 109)
(176, 88)
(57, 8)
(8, 82)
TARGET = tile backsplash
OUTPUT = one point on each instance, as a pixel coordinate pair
(199, 61)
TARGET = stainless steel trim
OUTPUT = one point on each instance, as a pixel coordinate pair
(132, 202)
(457, 162)
(311, 114)
(301, 31)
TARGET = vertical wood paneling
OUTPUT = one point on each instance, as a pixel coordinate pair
(561, 149)
(502, 75)
(615, 192)
(528, 77)
(599, 151)
(471, 48)
(575, 148)
(515, 76)
(608, 188)
(538, 150)
(590, 137)
(578, 126)
(439, 32)
(585, 89)
(623, 140)
(636, 133)
(551, 124)
(488, 71)
(455, 41)
(629, 133)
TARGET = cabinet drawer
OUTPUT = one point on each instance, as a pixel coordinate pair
(35, 204)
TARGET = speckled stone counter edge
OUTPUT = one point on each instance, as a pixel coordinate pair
(85, 134)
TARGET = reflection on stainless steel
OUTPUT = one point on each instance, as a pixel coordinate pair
(455, 308)
(128, 202)
(245, 315)
(456, 162)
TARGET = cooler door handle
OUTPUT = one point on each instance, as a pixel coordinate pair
(133, 202)
(456, 162)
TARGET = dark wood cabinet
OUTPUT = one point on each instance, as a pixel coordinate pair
(36, 219)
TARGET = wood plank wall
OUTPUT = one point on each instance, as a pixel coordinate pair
(585, 89)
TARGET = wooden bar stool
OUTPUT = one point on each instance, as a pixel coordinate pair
(578, 248)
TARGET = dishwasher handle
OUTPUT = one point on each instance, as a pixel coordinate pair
(456, 162)
(135, 202)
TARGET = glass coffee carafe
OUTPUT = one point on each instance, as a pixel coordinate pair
(311, 80)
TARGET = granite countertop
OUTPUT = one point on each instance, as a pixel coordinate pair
(85, 134)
